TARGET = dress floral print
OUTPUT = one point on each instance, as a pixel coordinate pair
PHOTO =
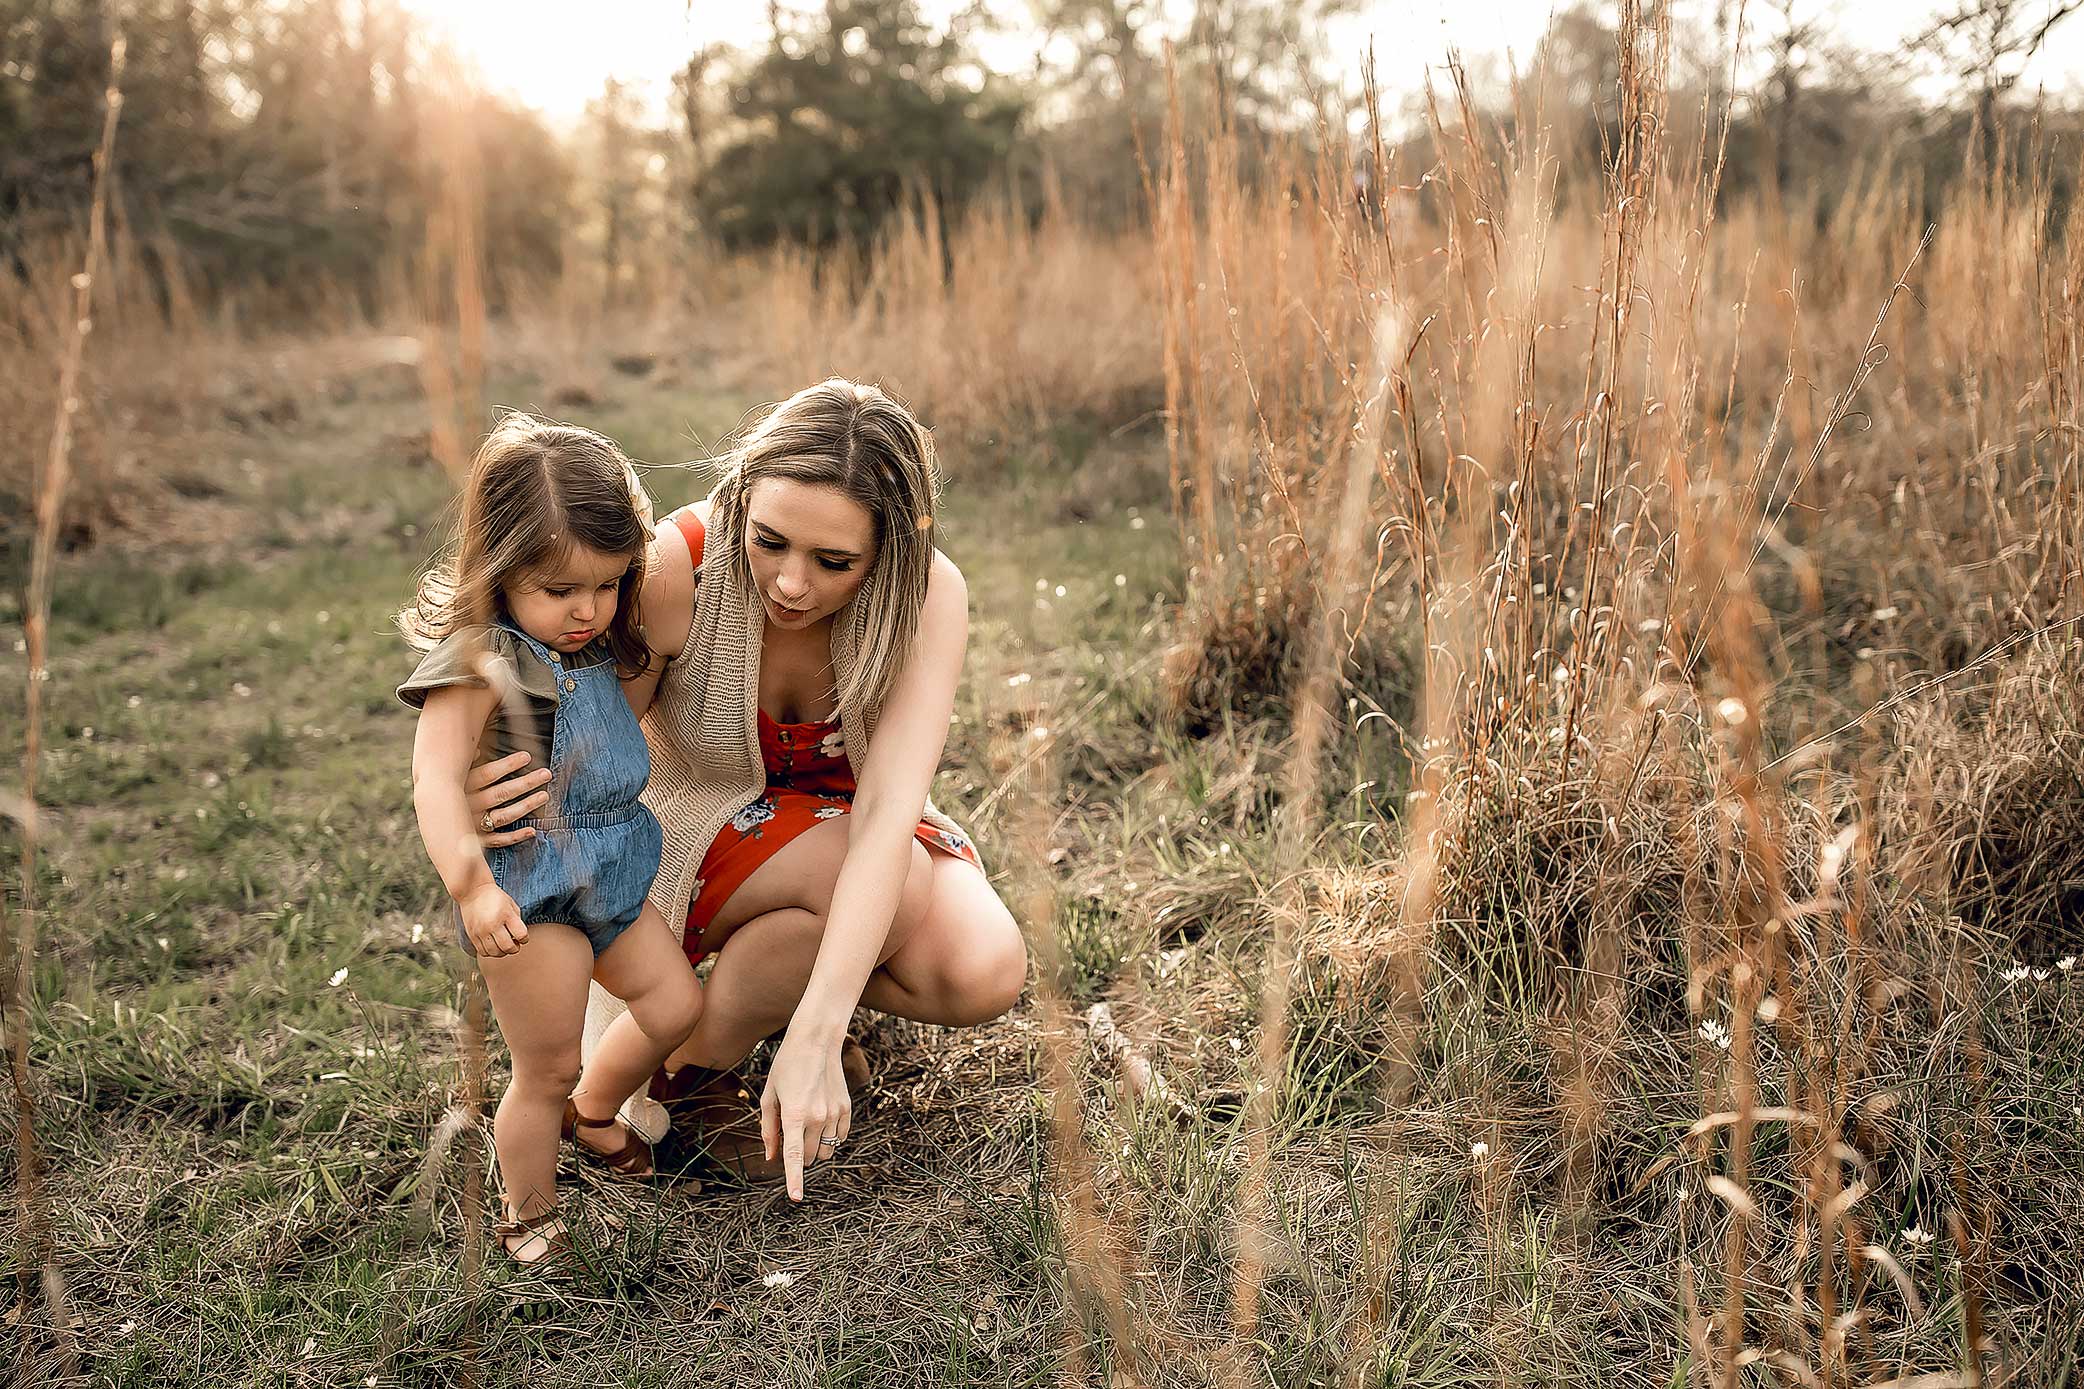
(808, 780)
(749, 820)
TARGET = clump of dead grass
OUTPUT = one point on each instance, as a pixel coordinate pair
(1984, 804)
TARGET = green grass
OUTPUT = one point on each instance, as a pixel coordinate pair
(247, 1007)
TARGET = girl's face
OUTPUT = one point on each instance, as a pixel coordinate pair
(566, 607)
(810, 547)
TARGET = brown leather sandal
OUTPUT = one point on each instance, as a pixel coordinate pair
(632, 1159)
(557, 1245)
(716, 1122)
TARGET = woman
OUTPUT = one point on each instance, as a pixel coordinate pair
(811, 638)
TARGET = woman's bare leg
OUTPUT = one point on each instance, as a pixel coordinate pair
(953, 956)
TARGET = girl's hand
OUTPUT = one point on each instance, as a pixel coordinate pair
(805, 1111)
(492, 921)
(500, 791)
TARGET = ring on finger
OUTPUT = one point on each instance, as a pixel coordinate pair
(486, 819)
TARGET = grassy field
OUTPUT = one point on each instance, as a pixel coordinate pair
(1548, 707)
(246, 1021)
(246, 1032)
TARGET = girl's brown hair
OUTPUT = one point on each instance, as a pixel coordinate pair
(857, 439)
(536, 489)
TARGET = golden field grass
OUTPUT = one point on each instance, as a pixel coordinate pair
(1574, 807)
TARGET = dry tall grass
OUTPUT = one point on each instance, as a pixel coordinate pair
(1674, 495)
(32, 1221)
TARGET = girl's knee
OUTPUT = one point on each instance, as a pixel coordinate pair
(669, 1010)
(553, 1075)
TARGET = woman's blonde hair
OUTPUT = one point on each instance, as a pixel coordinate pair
(536, 489)
(855, 438)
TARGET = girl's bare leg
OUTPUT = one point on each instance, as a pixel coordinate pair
(645, 968)
(539, 997)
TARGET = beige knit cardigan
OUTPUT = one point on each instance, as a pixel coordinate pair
(705, 744)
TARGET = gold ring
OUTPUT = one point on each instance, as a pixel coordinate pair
(486, 821)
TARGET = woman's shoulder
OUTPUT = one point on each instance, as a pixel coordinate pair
(669, 586)
(946, 589)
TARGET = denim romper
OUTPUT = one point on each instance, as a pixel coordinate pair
(595, 849)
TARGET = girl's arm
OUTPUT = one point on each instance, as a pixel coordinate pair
(451, 723)
(901, 763)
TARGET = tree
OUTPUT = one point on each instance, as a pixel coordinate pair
(845, 116)
(1989, 42)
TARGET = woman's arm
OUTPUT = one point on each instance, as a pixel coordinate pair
(667, 604)
(902, 759)
(450, 724)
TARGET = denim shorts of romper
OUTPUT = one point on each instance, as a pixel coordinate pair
(596, 847)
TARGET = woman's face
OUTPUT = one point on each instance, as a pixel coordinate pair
(810, 546)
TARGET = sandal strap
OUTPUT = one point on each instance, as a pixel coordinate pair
(507, 1229)
(631, 1159)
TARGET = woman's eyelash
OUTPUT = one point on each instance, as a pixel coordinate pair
(837, 566)
(764, 543)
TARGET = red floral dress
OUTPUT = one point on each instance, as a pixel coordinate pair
(808, 779)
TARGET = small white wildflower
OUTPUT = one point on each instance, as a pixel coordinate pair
(419, 930)
(1039, 732)
(1014, 682)
(324, 616)
(20, 645)
(241, 689)
(1865, 653)
(1884, 614)
(2040, 976)
(1715, 1033)
(1041, 585)
(1041, 605)
(87, 734)
(2066, 963)
(1135, 523)
(1121, 581)
(1479, 1150)
(1918, 1236)
(180, 874)
(165, 944)
(1236, 1044)
(1560, 674)
(779, 1279)
(410, 530)
(1059, 590)
(339, 978)
(2014, 973)
(274, 627)
(1732, 711)
(134, 701)
(369, 1380)
(209, 779)
(127, 1327)
(1650, 624)
(310, 1344)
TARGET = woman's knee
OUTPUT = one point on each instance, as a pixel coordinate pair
(983, 979)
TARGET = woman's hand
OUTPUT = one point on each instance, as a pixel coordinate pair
(805, 1111)
(499, 793)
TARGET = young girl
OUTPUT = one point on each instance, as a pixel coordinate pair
(529, 631)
